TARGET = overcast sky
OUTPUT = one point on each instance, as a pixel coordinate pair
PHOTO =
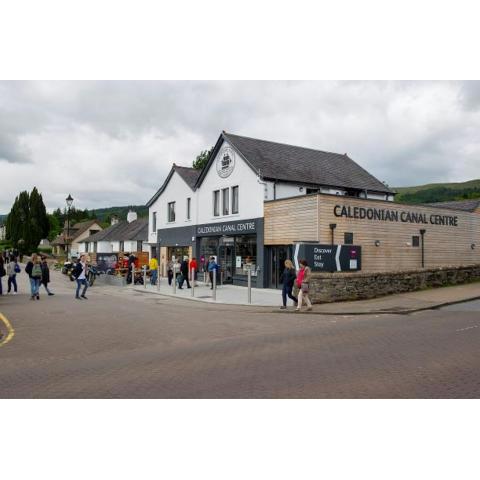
(112, 143)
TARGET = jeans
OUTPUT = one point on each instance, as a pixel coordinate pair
(287, 291)
(12, 280)
(34, 286)
(153, 277)
(81, 282)
(180, 284)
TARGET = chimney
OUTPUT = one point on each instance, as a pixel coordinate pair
(131, 216)
(114, 219)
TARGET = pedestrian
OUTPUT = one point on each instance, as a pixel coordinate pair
(46, 276)
(288, 279)
(184, 272)
(153, 265)
(178, 273)
(212, 270)
(193, 266)
(34, 271)
(12, 269)
(80, 274)
(303, 283)
(2, 272)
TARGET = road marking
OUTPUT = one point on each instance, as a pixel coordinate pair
(10, 330)
(466, 328)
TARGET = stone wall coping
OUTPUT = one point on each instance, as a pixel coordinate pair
(339, 275)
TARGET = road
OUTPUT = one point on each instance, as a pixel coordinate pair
(124, 344)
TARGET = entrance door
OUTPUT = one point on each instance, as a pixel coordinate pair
(277, 258)
(225, 260)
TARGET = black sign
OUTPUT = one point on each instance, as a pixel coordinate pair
(106, 261)
(329, 258)
(241, 227)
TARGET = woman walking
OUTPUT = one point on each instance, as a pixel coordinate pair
(303, 283)
(12, 270)
(288, 279)
(34, 270)
(46, 276)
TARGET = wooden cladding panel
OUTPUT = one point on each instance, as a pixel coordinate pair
(291, 219)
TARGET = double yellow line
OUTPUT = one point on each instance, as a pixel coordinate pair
(10, 330)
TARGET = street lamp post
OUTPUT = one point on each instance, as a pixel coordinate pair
(69, 201)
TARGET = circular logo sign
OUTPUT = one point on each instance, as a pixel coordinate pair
(226, 162)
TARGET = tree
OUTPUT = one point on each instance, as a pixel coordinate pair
(202, 159)
(27, 223)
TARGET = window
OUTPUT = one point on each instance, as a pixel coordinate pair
(121, 248)
(139, 245)
(235, 199)
(348, 238)
(312, 190)
(216, 203)
(188, 207)
(94, 247)
(86, 247)
(225, 200)
(154, 222)
(171, 212)
(415, 241)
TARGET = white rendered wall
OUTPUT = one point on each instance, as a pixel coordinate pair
(103, 247)
(250, 192)
(176, 191)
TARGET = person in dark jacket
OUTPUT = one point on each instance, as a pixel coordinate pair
(288, 279)
(46, 276)
(34, 271)
(185, 273)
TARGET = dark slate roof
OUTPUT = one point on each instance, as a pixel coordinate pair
(289, 163)
(75, 231)
(122, 231)
(465, 205)
(189, 175)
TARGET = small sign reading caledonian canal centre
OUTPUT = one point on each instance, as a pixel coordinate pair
(386, 215)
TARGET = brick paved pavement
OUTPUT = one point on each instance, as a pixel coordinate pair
(131, 345)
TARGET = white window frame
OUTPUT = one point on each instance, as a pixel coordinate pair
(189, 208)
(169, 217)
(234, 212)
(226, 201)
(216, 203)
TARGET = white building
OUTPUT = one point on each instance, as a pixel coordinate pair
(219, 210)
(3, 232)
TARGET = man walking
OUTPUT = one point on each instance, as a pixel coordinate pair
(80, 273)
(185, 273)
(153, 265)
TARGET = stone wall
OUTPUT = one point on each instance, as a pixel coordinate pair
(338, 287)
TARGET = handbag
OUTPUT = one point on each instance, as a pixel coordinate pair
(304, 287)
(17, 268)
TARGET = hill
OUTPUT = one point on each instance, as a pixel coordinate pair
(103, 214)
(438, 192)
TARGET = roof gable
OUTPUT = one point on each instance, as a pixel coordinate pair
(188, 174)
(121, 231)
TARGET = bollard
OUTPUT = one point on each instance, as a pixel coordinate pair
(158, 278)
(144, 276)
(174, 283)
(221, 277)
(133, 274)
(214, 285)
(249, 278)
(193, 282)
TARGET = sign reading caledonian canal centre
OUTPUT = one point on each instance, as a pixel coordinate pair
(329, 258)
(387, 215)
(229, 228)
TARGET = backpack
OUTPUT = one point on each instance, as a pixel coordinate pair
(37, 271)
(17, 268)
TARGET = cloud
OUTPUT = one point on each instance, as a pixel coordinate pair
(113, 142)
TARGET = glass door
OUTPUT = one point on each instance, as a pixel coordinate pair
(277, 258)
(225, 258)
